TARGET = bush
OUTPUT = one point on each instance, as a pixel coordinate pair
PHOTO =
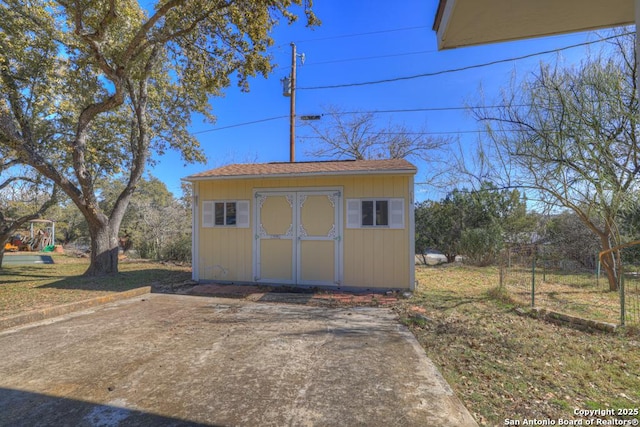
(146, 249)
(480, 245)
(178, 249)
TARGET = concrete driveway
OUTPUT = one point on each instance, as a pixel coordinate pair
(164, 360)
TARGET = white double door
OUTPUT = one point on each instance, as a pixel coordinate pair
(298, 237)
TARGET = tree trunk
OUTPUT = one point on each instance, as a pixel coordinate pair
(104, 249)
(5, 236)
(609, 264)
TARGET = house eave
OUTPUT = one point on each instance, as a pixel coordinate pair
(461, 23)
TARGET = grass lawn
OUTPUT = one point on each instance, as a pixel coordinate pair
(34, 286)
(577, 294)
(504, 366)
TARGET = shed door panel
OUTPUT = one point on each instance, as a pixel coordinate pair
(317, 262)
(275, 248)
(276, 260)
(318, 240)
(298, 237)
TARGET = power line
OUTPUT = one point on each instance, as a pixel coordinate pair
(468, 67)
(404, 110)
(410, 133)
(363, 58)
(414, 110)
(391, 55)
(344, 36)
(391, 30)
(241, 124)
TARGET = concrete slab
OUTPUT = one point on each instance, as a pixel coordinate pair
(10, 259)
(59, 310)
(166, 360)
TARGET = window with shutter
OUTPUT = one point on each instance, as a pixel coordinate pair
(353, 213)
(208, 213)
(225, 213)
(396, 213)
(365, 213)
(243, 214)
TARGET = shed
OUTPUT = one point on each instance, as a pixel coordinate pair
(337, 224)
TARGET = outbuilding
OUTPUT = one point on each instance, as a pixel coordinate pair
(336, 224)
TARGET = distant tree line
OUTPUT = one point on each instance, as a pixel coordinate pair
(475, 224)
(479, 224)
(156, 225)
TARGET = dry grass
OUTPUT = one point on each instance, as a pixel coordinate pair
(576, 294)
(35, 286)
(504, 366)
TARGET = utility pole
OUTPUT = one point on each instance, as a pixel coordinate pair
(289, 89)
(292, 109)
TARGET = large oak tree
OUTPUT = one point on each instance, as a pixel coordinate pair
(89, 88)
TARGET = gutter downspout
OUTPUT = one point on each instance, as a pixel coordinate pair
(195, 233)
(412, 235)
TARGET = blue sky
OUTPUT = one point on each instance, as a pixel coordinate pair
(362, 42)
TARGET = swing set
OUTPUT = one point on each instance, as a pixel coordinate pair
(41, 237)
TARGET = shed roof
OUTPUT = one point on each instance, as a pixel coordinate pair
(287, 169)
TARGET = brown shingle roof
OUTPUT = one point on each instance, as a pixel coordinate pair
(343, 167)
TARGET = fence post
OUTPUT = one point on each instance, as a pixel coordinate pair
(533, 280)
(544, 266)
(622, 302)
(598, 273)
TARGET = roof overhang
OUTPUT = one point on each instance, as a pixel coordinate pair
(193, 178)
(461, 23)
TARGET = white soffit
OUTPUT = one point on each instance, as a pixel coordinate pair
(473, 22)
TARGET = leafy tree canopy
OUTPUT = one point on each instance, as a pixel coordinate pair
(472, 223)
(89, 89)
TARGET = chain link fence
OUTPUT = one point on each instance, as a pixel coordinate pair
(539, 276)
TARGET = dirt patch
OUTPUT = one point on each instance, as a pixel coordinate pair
(293, 295)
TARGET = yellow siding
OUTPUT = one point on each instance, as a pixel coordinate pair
(377, 257)
(225, 253)
(372, 258)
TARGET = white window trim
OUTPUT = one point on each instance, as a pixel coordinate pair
(396, 213)
(243, 214)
